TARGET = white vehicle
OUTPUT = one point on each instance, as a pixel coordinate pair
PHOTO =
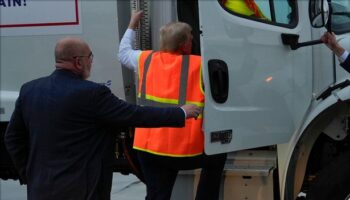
(276, 102)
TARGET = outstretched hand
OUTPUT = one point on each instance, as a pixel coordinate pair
(192, 111)
(135, 19)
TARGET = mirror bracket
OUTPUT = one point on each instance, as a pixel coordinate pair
(292, 41)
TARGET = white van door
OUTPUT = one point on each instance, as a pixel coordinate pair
(257, 89)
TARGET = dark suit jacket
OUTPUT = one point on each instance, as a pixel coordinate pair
(346, 64)
(59, 137)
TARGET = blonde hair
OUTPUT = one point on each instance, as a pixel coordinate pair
(173, 35)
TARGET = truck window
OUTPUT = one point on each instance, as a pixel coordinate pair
(282, 13)
(341, 16)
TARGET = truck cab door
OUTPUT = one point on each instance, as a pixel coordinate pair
(257, 89)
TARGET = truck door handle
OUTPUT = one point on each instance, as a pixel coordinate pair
(218, 79)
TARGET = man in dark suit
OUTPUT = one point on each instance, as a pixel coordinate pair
(343, 55)
(58, 136)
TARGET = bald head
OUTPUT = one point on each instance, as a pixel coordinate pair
(68, 47)
(74, 54)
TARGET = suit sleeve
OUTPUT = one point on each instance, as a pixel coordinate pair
(112, 110)
(16, 141)
(346, 64)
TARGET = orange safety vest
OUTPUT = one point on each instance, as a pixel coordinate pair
(167, 79)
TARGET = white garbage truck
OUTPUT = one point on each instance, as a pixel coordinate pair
(277, 100)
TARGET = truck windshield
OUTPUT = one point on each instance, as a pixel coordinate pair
(341, 16)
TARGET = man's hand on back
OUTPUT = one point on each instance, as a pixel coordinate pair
(192, 111)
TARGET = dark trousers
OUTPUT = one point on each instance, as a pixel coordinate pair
(160, 174)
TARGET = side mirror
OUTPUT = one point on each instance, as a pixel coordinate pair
(318, 13)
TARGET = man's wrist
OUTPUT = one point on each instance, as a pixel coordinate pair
(343, 56)
(132, 26)
(339, 51)
(184, 112)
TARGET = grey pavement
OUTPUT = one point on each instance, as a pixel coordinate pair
(127, 188)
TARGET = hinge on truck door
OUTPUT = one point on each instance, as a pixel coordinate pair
(224, 136)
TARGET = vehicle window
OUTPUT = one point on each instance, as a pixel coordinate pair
(279, 12)
(341, 16)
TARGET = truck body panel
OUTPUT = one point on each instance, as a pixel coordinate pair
(26, 57)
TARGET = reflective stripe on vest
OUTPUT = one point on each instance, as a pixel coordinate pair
(154, 70)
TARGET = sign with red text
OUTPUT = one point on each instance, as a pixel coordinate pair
(39, 17)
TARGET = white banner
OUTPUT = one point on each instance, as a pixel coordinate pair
(39, 17)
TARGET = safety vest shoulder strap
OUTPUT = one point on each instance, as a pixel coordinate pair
(144, 75)
(184, 79)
